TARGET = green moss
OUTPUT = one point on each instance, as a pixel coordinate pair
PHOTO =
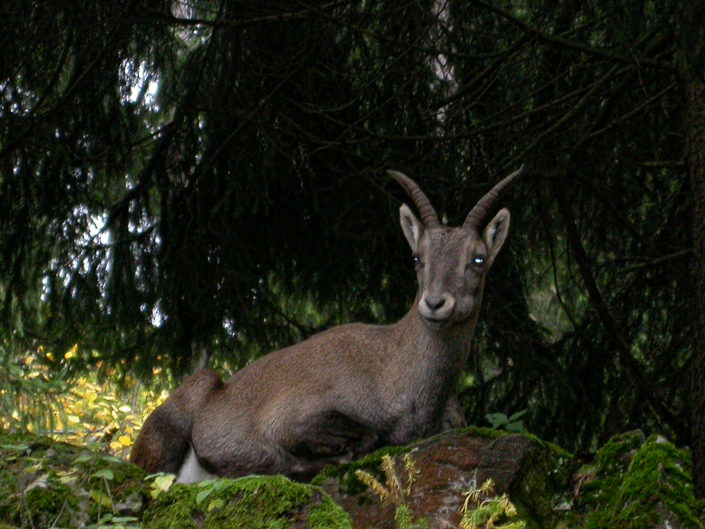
(257, 502)
(50, 506)
(617, 452)
(640, 484)
(481, 431)
(327, 514)
(172, 509)
(8, 503)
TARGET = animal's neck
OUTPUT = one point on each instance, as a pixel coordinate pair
(437, 356)
(422, 374)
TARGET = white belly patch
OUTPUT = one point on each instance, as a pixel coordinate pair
(191, 470)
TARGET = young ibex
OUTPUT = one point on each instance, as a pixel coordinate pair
(348, 390)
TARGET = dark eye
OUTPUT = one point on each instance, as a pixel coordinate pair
(479, 260)
(417, 260)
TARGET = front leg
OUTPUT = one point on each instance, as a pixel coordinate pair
(325, 439)
(453, 415)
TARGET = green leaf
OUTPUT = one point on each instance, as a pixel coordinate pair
(19, 448)
(518, 415)
(124, 519)
(517, 427)
(104, 473)
(497, 420)
(161, 483)
(101, 498)
(203, 495)
(217, 503)
(111, 459)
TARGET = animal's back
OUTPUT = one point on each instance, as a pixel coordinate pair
(339, 366)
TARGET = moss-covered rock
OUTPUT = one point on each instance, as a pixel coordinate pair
(634, 483)
(344, 474)
(534, 473)
(639, 483)
(256, 502)
(44, 483)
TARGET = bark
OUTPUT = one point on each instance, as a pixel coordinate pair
(695, 145)
(691, 53)
(691, 62)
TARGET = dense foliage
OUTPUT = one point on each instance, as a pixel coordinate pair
(89, 411)
(207, 176)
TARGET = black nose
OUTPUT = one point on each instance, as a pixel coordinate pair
(435, 304)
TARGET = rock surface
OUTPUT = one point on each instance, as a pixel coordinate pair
(449, 465)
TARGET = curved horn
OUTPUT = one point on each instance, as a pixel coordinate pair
(479, 212)
(428, 215)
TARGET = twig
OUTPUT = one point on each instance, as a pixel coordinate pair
(598, 302)
(565, 43)
(245, 22)
(658, 260)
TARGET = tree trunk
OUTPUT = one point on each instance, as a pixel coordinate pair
(695, 152)
(691, 43)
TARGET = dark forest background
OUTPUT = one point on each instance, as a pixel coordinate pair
(192, 179)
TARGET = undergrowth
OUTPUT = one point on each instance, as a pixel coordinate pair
(86, 409)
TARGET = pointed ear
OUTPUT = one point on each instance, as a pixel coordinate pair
(411, 226)
(495, 234)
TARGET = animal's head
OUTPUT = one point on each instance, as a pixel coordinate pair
(451, 263)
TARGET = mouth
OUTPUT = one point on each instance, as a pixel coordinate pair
(435, 324)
